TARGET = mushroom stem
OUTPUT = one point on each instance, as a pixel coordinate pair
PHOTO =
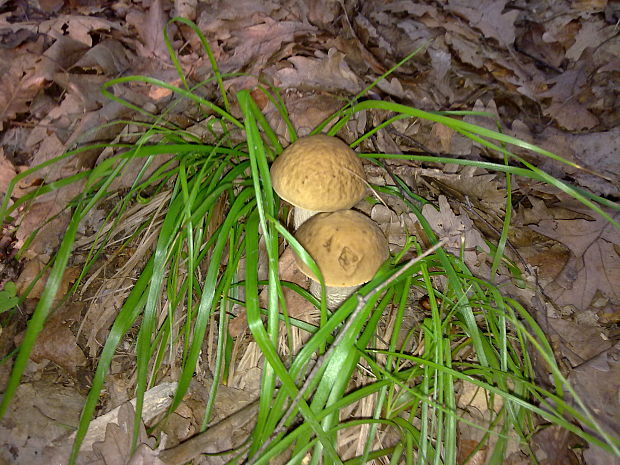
(334, 295)
(301, 215)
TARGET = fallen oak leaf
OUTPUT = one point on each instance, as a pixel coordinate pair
(592, 34)
(7, 172)
(489, 17)
(31, 271)
(565, 107)
(150, 27)
(255, 45)
(460, 231)
(328, 73)
(20, 82)
(595, 261)
(76, 26)
(116, 448)
(206, 442)
(58, 344)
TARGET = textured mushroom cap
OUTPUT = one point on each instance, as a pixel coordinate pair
(347, 246)
(319, 173)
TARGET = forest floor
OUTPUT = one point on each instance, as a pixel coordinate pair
(547, 70)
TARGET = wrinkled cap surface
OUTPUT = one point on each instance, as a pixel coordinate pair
(347, 246)
(319, 173)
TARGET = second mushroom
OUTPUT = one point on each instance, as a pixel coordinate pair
(348, 248)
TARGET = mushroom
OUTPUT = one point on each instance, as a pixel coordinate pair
(318, 174)
(348, 248)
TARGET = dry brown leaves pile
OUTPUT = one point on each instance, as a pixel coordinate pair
(546, 69)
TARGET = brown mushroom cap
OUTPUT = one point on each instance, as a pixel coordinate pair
(319, 173)
(347, 246)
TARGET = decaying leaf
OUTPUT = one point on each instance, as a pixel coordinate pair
(565, 105)
(31, 271)
(20, 82)
(555, 446)
(327, 72)
(489, 17)
(39, 414)
(596, 381)
(150, 27)
(595, 262)
(156, 401)
(257, 44)
(7, 172)
(77, 27)
(116, 448)
(58, 344)
(460, 232)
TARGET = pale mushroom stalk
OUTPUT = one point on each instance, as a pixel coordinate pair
(301, 215)
(318, 174)
(334, 295)
(347, 246)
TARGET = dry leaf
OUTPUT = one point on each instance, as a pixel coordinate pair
(150, 27)
(256, 44)
(297, 306)
(7, 172)
(593, 33)
(32, 269)
(489, 17)
(40, 412)
(551, 52)
(596, 381)
(76, 27)
(466, 447)
(479, 407)
(306, 112)
(468, 50)
(555, 444)
(58, 344)
(156, 401)
(20, 82)
(459, 230)
(326, 73)
(595, 455)
(565, 107)
(395, 227)
(578, 340)
(595, 262)
(108, 57)
(115, 449)
(478, 187)
(548, 256)
(185, 9)
(600, 152)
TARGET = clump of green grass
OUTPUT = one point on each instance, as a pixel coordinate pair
(413, 395)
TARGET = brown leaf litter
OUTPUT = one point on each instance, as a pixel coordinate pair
(547, 69)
